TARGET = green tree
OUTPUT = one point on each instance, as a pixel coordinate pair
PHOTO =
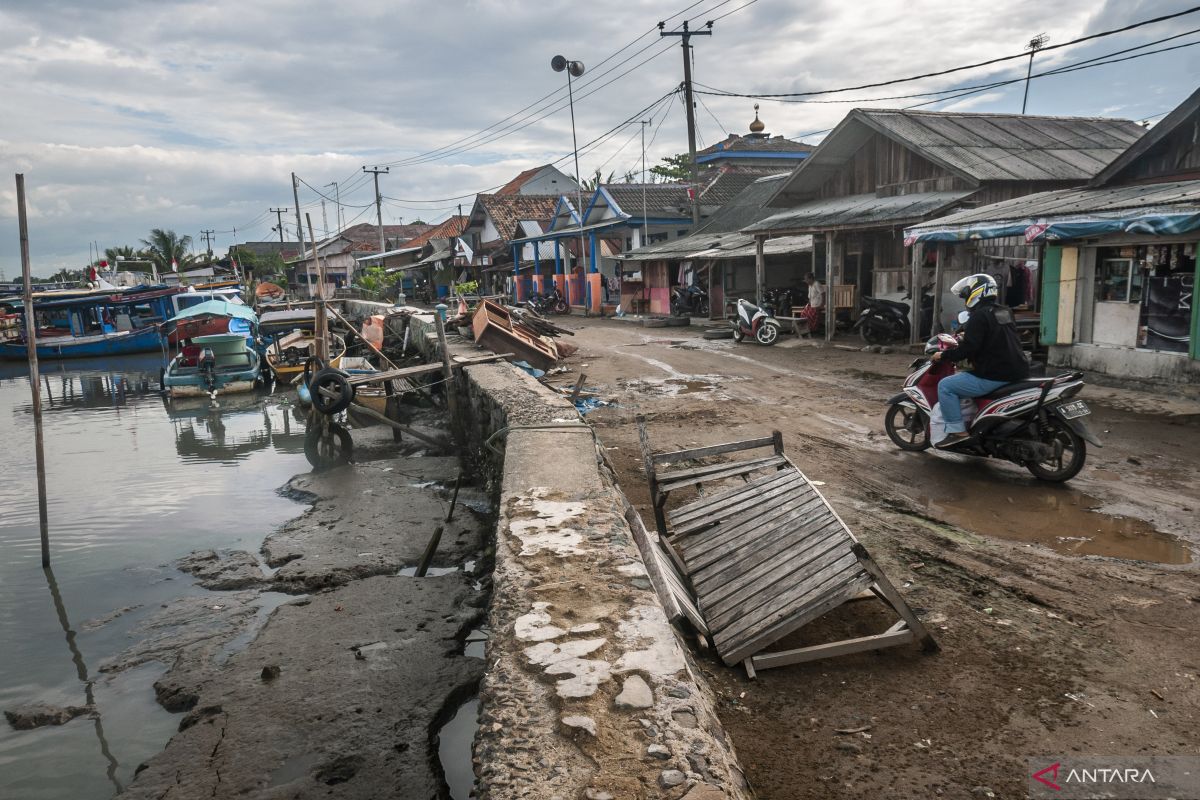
(163, 247)
(674, 168)
(590, 184)
(114, 254)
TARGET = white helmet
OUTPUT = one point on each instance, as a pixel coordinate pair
(974, 288)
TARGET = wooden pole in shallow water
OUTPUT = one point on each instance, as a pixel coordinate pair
(35, 386)
(321, 318)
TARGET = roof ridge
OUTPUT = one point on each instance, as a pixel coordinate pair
(912, 113)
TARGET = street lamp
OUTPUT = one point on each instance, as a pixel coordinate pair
(574, 69)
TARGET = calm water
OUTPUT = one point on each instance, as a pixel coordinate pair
(132, 486)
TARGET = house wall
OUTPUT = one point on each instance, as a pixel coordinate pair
(548, 181)
(884, 164)
(1176, 157)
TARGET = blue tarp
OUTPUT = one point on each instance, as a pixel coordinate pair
(1051, 229)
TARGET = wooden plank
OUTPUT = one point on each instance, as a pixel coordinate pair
(742, 644)
(823, 497)
(845, 647)
(894, 599)
(393, 374)
(752, 544)
(657, 499)
(373, 414)
(699, 508)
(712, 450)
(743, 574)
(732, 531)
(740, 498)
(750, 612)
(676, 480)
(794, 572)
(646, 548)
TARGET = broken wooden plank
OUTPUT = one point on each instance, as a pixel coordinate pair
(704, 505)
(373, 414)
(671, 481)
(712, 450)
(747, 499)
(845, 647)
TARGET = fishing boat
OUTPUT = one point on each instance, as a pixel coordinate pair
(290, 343)
(93, 323)
(209, 363)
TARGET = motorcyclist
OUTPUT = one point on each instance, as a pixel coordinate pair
(990, 342)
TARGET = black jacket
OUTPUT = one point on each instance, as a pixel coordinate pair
(992, 344)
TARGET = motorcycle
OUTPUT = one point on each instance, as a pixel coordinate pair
(886, 321)
(750, 320)
(689, 300)
(1035, 423)
(780, 301)
(549, 303)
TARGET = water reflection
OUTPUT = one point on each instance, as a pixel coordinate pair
(133, 484)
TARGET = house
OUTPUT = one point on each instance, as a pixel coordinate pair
(493, 222)
(716, 255)
(415, 262)
(1116, 258)
(546, 179)
(881, 170)
(342, 254)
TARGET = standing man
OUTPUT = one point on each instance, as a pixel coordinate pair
(814, 312)
(992, 344)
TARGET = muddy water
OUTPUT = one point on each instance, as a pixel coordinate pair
(1060, 518)
(133, 485)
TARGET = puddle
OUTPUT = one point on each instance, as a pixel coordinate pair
(267, 603)
(476, 643)
(689, 387)
(1061, 520)
(433, 572)
(454, 749)
(295, 767)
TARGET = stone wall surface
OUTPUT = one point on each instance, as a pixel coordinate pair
(588, 692)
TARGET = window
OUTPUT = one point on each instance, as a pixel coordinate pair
(1118, 280)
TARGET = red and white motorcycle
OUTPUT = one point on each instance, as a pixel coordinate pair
(1034, 422)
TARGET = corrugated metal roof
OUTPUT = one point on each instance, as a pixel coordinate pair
(857, 211)
(1064, 202)
(745, 247)
(676, 248)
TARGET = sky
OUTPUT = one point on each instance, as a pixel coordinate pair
(129, 115)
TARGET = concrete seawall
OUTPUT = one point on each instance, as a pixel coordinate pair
(588, 692)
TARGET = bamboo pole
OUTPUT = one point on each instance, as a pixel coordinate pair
(448, 374)
(321, 319)
(35, 386)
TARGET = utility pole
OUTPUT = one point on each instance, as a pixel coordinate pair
(337, 198)
(376, 171)
(279, 212)
(645, 223)
(208, 237)
(1035, 44)
(299, 227)
(686, 37)
(324, 219)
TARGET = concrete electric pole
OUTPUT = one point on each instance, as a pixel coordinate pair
(378, 201)
(208, 237)
(279, 212)
(296, 197)
(686, 37)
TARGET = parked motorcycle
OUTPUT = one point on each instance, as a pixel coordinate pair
(753, 321)
(689, 300)
(551, 302)
(780, 300)
(1034, 423)
(886, 321)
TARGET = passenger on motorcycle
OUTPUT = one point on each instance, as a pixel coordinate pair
(990, 342)
(815, 310)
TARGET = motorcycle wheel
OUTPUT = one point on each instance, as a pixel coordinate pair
(1070, 459)
(561, 307)
(873, 334)
(703, 309)
(767, 333)
(738, 335)
(906, 428)
(326, 449)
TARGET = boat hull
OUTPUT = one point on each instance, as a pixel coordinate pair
(194, 390)
(145, 340)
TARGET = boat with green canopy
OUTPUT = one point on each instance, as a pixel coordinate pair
(207, 364)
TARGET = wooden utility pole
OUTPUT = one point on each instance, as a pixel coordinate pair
(35, 384)
(376, 171)
(279, 212)
(448, 377)
(208, 237)
(686, 38)
(320, 316)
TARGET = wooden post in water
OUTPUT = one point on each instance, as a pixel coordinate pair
(448, 375)
(35, 384)
(321, 318)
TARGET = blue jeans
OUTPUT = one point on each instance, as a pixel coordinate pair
(952, 389)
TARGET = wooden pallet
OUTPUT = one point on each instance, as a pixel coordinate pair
(765, 557)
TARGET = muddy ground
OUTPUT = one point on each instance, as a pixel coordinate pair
(1067, 615)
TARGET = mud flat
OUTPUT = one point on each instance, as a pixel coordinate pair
(327, 672)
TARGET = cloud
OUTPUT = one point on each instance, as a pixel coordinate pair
(136, 114)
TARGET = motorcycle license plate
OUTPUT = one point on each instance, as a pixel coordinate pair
(1074, 410)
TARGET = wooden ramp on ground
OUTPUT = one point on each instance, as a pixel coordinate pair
(760, 559)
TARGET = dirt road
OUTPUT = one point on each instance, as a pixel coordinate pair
(1067, 616)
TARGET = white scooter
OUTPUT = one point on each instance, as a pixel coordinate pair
(753, 321)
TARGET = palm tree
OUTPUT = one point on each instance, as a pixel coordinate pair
(165, 247)
(114, 254)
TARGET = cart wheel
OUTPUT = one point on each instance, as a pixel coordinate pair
(331, 391)
(327, 446)
(311, 367)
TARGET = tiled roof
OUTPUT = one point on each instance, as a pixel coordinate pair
(444, 230)
(857, 211)
(663, 200)
(723, 184)
(507, 210)
(285, 249)
(366, 232)
(756, 144)
(514, 186)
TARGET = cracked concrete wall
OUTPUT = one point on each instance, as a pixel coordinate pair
(588, 692)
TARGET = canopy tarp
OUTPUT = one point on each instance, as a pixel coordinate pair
(1050, 229)
(217, 308)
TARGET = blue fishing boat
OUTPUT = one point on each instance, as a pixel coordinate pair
(212, 363)
(92, 323)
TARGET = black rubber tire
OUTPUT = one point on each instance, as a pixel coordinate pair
(871, 334)
(1064, 434)
(561, 307)
(767, 334)
(311, 367)
(703, 309)
(333, 380)
(330, 448)
(738, 336)
(918, 442)
(718, 333)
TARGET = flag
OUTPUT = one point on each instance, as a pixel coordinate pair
(174, 265)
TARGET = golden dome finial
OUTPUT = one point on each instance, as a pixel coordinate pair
(757, 126)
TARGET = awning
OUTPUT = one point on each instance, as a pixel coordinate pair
(745, 247)
(858, 211)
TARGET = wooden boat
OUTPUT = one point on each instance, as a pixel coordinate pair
(213, 363)
(287, 355)
(373, 396)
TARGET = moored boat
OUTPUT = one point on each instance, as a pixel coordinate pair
(212, 363)
(291, 343)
